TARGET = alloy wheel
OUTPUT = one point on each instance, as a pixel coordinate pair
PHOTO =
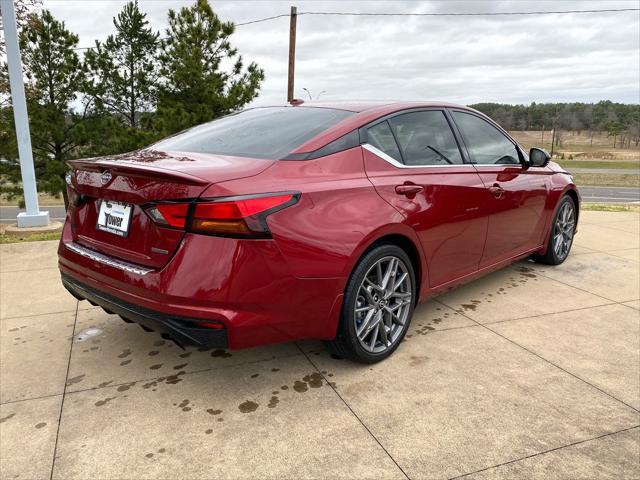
(564, 229)
(383, 304)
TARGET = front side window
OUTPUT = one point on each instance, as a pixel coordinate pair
(426, 138)
(486, 144)
(270, 132)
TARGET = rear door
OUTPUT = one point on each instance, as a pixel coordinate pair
(416, 164)
(514, 195)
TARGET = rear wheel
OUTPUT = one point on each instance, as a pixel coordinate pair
(561, 234)
(378, 305)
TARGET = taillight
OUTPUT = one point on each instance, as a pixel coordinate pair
(169, 214)
(241, 216)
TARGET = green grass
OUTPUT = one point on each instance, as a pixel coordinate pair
(599, 164)
(36, 237)
(607, 179)
(607, 207)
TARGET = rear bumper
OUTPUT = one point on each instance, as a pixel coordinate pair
(244, 285)
(183, 330)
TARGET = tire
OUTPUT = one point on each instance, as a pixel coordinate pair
(373, 333)
(563, 224)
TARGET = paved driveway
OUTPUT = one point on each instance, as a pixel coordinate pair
(531, 372)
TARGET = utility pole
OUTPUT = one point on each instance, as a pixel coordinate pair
(292, 52)
(33, 217)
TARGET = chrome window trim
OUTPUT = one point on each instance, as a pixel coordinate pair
(397, 164)
(500, 165)
(106, 260)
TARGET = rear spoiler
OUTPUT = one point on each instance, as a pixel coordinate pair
(136, 170)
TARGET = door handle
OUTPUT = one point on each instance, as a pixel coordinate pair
(496, 190)
(408, 189)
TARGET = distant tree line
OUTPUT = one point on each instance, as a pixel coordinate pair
(124, 93)
(618, 120)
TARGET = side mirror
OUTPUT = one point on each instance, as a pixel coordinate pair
(538, 157)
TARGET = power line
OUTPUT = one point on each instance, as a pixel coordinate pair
(262, 20)
(465, 14)
(433, 14)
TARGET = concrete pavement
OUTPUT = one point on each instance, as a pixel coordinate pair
(531, 372)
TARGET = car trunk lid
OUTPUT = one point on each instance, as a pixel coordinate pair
(137, 180)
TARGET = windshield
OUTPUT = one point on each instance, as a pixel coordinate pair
(270, 133)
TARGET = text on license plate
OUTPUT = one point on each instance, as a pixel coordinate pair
(114, 217)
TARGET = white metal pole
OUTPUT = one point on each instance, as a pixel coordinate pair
(33, 217)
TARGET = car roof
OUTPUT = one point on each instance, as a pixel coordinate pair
(364, 112)
(359, 106)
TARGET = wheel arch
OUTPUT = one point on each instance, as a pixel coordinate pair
(576, 201)
(570, 191)
(405, 238)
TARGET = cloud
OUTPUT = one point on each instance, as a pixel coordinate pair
(516, 59)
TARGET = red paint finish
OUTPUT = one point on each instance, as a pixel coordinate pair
(459, 222)
(515, 199)
(449, 213)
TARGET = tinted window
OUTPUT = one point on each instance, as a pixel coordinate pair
(486, 143)
(426, 138)
(270, 132)
(380, 136)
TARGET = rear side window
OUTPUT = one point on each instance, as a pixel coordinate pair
(426, 138)
(269, 133)
(380, 136)
(486, 144)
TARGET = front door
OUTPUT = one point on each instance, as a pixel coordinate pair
(514, 194)
(416, 165)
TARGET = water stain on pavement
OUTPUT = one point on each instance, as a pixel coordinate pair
(8, 417)
(41, 424)
(184, 405)
(248, 406)
(75, 380)
(100, 403)
(220, 353)
(125, 353)
(314, 380)
(299, 386)
(125, 362)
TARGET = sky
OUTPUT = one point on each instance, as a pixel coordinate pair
(507, 59)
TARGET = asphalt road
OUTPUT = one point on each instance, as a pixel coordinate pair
(610, 194)
(589, 194)
(8, 214)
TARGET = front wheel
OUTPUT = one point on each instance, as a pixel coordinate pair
(561, 234)
(378, 305)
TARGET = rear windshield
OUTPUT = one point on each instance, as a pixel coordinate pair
(271, 132)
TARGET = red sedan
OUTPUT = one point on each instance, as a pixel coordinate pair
(327, 221)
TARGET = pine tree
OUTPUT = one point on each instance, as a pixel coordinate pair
(124, 67)
(55, 75)
(196, 88)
